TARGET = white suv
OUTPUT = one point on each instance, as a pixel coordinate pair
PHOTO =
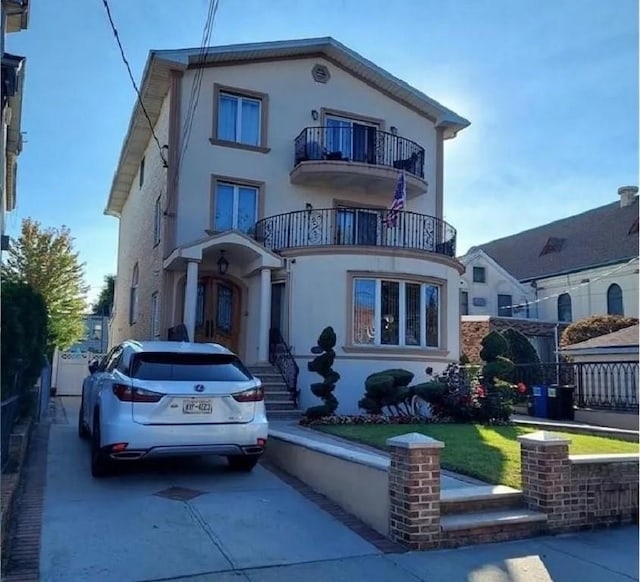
(158, 399)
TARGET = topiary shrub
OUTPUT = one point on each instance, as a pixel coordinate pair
(493, 345)
(497, 367)
(322, 364)
(388, 390)
(528, 369)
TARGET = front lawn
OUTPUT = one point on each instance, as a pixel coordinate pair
(488, 453)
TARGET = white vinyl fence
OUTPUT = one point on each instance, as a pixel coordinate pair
(69, 371)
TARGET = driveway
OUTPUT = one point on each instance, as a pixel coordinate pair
(195, 520)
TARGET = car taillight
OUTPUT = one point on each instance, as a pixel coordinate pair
(253, 395)
(133, 394)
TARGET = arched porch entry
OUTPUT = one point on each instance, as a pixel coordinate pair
(212, 300)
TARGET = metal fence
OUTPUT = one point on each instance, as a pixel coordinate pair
(601, 385)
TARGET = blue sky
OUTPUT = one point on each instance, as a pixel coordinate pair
(550, 86)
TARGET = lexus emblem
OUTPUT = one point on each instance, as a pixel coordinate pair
(199, 387)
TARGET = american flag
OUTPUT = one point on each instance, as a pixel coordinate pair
(398, 202)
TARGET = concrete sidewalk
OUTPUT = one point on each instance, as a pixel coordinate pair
(601, 556)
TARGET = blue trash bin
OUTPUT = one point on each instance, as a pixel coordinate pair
(540, 401)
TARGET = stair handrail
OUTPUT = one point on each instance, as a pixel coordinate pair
(281, 357)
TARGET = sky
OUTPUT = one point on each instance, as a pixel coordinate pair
(550, 88)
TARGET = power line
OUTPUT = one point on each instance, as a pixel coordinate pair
(133, 81)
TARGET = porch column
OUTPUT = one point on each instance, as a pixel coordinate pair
(190, 298)
(265, 315)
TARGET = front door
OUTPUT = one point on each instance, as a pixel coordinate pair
(218, 313)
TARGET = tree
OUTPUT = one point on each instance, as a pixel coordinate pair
(104, 304)
(45, 260)
(594, 326)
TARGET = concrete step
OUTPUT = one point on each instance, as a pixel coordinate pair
(279, 405)
(278, 396)
(490, 526)
(279, 414)
(482, 498)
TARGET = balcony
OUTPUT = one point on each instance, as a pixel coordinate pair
(356, 227)
(357, 157)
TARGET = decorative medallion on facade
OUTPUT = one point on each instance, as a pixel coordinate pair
(320, 74)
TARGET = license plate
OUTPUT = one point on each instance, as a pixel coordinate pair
(196, 406)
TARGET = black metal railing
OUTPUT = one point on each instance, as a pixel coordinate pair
(281, 357)
(602, 385)
(356, 227)
(359, 143)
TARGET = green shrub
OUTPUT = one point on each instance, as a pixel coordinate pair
(23, 337)
(528, 369)
(493, 345)
(594, 326)
(388, 390)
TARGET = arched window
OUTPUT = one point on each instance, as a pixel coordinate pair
(564, 307)
(614, 300)
(133, 296)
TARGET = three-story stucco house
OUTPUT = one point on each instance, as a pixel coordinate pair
(259, 216)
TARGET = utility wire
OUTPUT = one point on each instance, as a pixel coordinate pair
(133, 81)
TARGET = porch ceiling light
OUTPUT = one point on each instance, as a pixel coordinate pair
(223, 264)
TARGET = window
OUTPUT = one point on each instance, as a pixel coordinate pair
(224, 309)
(155, 316)
(396, 313)
(133, 296)
(188, 367)
(564, 307)
(614, 300)
(353, 140)
(239, 118)
(554, 245)
(157, 221)
(505, 306)
(235, 207)
(200, 303)
(357, 226)
(464, 302)
(479, 275)
(141, 173)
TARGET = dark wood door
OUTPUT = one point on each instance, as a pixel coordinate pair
(218, 313)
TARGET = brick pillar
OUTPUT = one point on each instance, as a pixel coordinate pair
(414, 490)
(546, 476)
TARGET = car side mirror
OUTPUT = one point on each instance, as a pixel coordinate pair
(93, 366)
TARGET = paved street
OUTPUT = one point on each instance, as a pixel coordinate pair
(256, 527)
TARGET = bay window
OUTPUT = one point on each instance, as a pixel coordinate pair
(388, 312)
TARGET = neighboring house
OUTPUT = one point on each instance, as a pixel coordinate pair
(572, 268)
(486, 288)
(617, 346)
(606, 377)
(96, 337)
(271, 223)
(14, 18)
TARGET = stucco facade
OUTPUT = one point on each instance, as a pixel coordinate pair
(588, 291)
(482, 296)
(319, 235)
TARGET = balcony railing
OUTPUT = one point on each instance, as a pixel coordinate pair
(359, 143)
(356, 227)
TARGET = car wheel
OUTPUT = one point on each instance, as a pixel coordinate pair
(101, 464)
(83, 431)
(243, 462)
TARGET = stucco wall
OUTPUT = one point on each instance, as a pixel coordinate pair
(136, 244)
(590, 299)
(292, 94)
(320, 290)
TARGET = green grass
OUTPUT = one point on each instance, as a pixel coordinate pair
(488, 453)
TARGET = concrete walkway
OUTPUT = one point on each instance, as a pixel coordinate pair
(228, 526)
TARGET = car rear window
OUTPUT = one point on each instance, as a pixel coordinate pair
(189, 367)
